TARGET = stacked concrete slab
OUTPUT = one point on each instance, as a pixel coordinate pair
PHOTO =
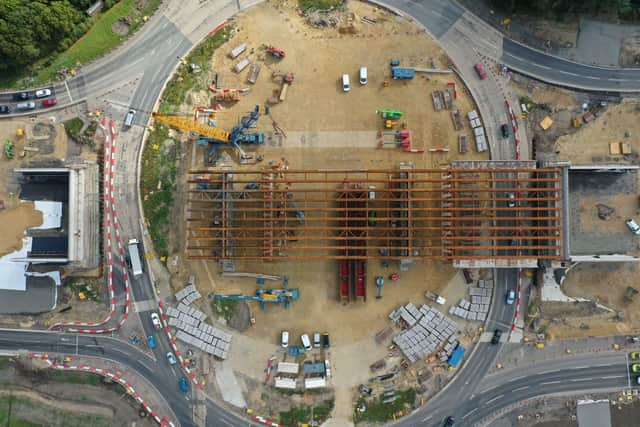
(194, 331)
(428, 330)
(188, 294)
(478, 307)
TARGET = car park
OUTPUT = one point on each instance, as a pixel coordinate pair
(316, 339)
(26, 105)
(511, 296)
(171, 358)
(633, 226)
(43, 93)
(151, 341)
(49, 102)
(184, 384)
(155, 319)
(480, 71)
(496, 336)
(5, 109)
(504, 129)
(284, 339)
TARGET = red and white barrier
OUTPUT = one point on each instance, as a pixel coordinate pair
(263, 420)
(162, 421)
(111, 221)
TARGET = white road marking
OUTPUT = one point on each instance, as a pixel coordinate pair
(469, 413)
(569, 73)
(517, 378)
(520, 388)
(548, 372)
(68, 91)
(612, 377)
(494, 399)
(426, 418)
(591, 77)
(551, 382)
(580, 367)
(577, 380)
(619, 80)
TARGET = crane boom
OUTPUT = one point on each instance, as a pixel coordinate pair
(189, 125)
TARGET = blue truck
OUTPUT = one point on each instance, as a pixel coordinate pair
(404, 73)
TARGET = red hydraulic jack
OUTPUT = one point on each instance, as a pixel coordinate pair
(401, 138)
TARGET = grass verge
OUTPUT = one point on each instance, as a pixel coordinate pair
(377, 411)
(319, 4)
(16, 412)
(184, 80)
(73, 377)
(97, 41)
(157, 183)
(225, 308)
(313, 415)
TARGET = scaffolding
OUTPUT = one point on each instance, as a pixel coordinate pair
(463, 212)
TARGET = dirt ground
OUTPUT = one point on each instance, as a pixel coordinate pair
(316, 104)
(591, 143)
(606, 284)
(56, 403)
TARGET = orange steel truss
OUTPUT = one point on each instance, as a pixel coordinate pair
(404, 213)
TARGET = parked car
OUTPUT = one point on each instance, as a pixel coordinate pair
(363, 75)
(364, 389)
(21, 96)
(155, 319)
(511, 296)
(171, 358)
(496, 336)
(26, 105)
(504, 129)
(151, 341)
(512, 200)
(480, 70)
(449, 422)
(5, 109)
(635, 367)
(633, 226)
(49, 102)
(325, 341)
(284, 339)
(306, 343)
(43, 93)
(327, 368)
(635, 355)
(316, 339)
(468, 278)
(345, 83)
(184, 384)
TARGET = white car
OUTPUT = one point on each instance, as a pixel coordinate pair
(306, 342)
(345, 83)
(512, 200)
(327, 368)
(43, 93)
(155, 319)
(633, 226)
(284, 339)
(171, 358)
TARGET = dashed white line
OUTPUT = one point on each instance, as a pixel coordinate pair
(469, 413)
(612, 377)
(551, 382)
(580, 367)
(424, 420)
(520, 388)
(577, 380)
(619, 80)
(494, 399)
(548, 372)
(569, 73)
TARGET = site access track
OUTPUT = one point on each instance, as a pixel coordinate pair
(112, 226)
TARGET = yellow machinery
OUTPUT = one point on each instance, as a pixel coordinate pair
(187, 124)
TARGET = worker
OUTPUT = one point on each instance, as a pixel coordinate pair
(394, 277)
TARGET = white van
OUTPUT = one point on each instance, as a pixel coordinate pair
(306, 343)
(363, 75)
(345, 83)
(128, 121)
(633, 226)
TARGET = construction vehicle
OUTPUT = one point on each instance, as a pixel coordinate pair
(401, 138)
(435, 297)
(390, 114)
(213, 135)
(379, 285)
(263, 296)
(287, 80)
(276, 52)
(403, 73)
(254, 138)
(8, 149)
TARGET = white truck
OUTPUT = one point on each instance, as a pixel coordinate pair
(134, 256)
(435, 298)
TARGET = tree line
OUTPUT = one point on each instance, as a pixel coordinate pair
(34, 29)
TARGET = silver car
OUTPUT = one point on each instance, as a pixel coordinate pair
(26, 105)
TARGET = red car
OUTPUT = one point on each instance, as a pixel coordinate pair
(49, 102)
(480, 70)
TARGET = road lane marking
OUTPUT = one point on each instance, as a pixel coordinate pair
(548, 372)
(612, 377)
(619, 80)
(520, 388)
(426, 418)
(494, 399)
(580, 367)
(568, 73)
(518, 378)
(68, 91)
(469, 413)
(577, 380)
(626, 359)
(551, 382)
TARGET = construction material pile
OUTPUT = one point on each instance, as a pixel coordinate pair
(428, 330)
(478, 307)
